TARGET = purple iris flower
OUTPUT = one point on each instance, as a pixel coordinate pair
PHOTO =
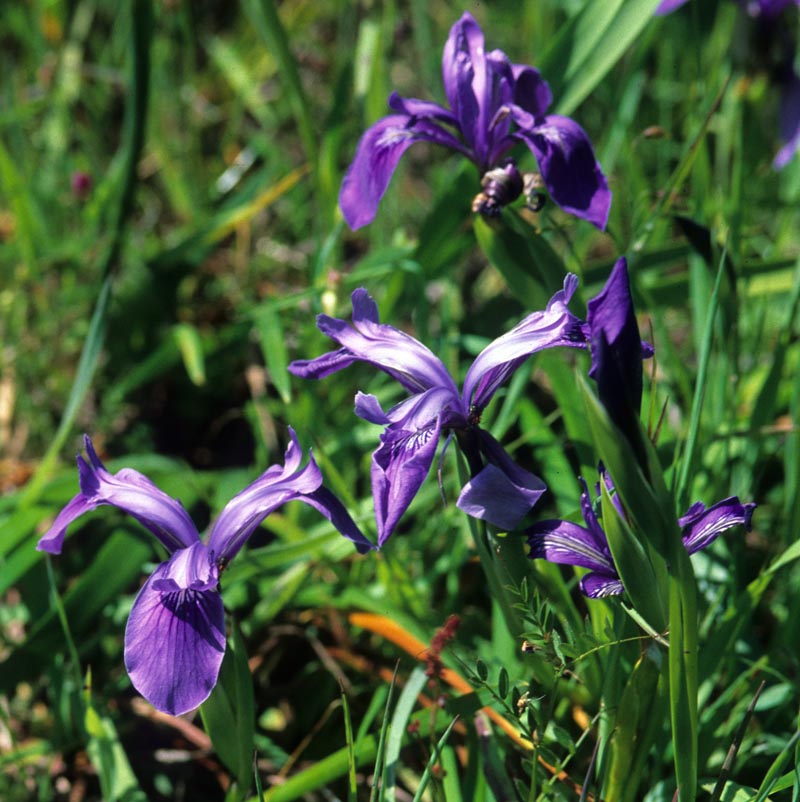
(499, 491)
(494, 105)
(587, 546)
(175, 636)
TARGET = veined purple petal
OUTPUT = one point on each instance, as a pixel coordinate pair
(464, 76)
(531, 92)
(701, 526)
(129, 491)
(597, 586)
(570, 544)
(393, 351)
(567, 163)
(789, 119)
(668, 6)
(502, 493)
(174, 644)
(552, 327)
(377, 155)
(399, 467)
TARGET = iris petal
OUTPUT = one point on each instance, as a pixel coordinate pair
(174, 645)
(568, 165)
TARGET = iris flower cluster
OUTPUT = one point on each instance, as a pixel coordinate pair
(175, 634)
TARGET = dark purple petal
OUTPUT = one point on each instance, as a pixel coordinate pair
(701, 527)
(598, 586)
(464, 76)
(399, 467)
(552, 327)
(377, 155)
(568, 165)
(326, 503)
(174, 644)
(129, 491)
(502, 493)
(617, 351)
(789, 119)
(668, 6)
(531, 92)
(570, 544)
(405, 359)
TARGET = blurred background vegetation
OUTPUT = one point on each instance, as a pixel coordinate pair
(168, 232)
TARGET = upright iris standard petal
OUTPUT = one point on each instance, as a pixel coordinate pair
(488, 97)
(555, 326)
(617, 353)
(174, 641)
(276, 486)
(129, 491)
(569, 168)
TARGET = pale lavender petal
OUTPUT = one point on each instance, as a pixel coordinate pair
(53, 539)
(769, 8)
(393, 351)
(174, 645)
(668, 6)
(377, 155)
(598, 586)
(571, 544)
(700, 526)
(246, 510)
(789, 119)
(464, 76)
(568, 165)
(399, 467)
(129, 491)
(555, 326)
(326, 503)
